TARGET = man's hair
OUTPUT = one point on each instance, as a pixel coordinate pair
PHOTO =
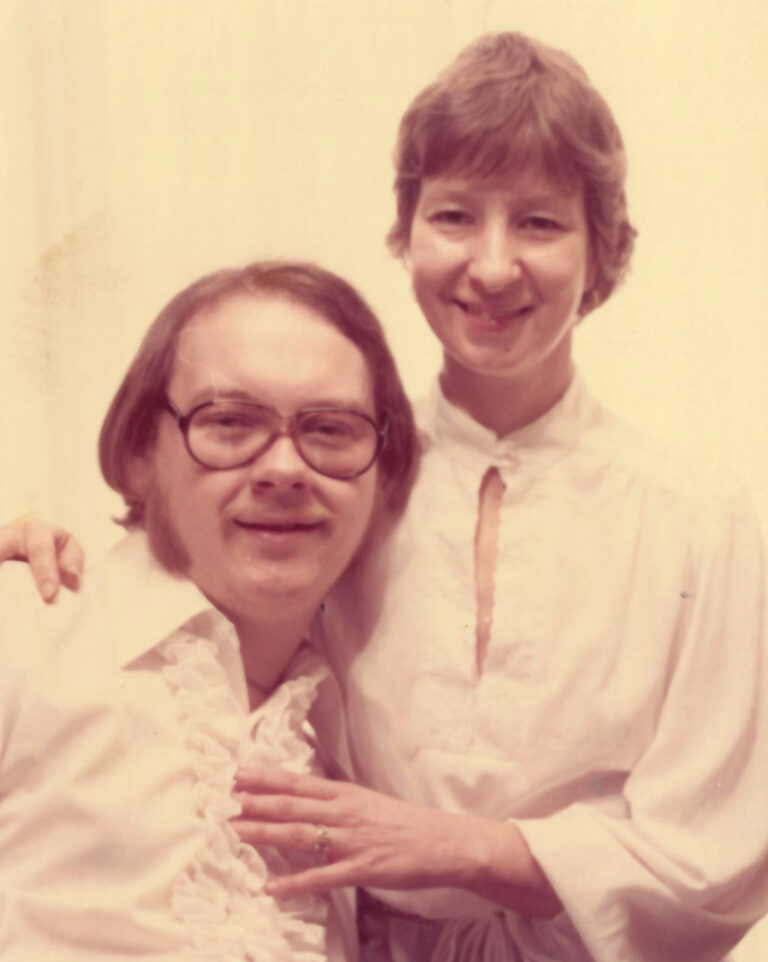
(508, 102)
(130, 426)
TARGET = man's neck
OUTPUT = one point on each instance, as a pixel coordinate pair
(268, 644)
(504, 404)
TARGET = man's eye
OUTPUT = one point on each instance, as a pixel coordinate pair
(227, 420)
(332, 429)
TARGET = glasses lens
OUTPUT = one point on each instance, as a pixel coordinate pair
(340, 444)
(229, 433)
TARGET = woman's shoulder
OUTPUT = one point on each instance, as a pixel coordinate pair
(687, 493)
(676, 468)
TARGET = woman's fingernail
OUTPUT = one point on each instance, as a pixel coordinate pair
(48, 590)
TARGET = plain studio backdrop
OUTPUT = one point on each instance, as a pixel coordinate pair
(146, 142)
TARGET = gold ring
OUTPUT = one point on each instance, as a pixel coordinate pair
(323, 842)
(22, 519)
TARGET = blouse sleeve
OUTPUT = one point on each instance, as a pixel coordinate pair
(682, 874)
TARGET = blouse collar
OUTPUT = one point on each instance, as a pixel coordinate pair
(537, 445)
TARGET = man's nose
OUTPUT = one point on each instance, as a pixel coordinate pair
(280, 466)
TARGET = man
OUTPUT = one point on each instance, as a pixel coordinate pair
(259, 426)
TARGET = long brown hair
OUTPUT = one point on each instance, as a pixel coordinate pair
(130, 426)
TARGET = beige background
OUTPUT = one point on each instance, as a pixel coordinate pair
(148, 141)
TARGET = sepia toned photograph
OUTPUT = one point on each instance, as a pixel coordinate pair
(383, 481)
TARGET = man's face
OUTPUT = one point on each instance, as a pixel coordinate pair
(274, 532)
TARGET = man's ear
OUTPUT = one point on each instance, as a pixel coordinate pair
(138, 475)
(591, 268)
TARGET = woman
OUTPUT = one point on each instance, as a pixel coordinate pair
(522, 662)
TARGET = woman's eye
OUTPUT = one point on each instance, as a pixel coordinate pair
(451, 217)
(540, 223)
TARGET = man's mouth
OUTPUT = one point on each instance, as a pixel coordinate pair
(278, 527)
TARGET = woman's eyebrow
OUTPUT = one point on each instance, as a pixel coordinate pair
(464, 193)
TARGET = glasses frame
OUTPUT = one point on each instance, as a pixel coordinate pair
(288, 427)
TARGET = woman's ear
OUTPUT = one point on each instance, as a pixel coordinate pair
(589, 295)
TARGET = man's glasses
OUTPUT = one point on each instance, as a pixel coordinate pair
(225, 434)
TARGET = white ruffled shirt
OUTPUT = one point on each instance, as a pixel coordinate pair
(124, 716)
(620, 718)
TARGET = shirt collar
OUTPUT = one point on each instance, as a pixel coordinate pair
(537, 445)
(147, 603)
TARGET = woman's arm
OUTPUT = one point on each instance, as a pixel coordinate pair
(54, 555)
(379, 841)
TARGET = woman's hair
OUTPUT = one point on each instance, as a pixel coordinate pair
(130, 426)
(508, 102)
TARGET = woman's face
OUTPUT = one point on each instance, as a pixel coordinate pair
(499, 268)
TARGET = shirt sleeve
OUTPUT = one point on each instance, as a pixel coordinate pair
(683, 873)
(22, 637)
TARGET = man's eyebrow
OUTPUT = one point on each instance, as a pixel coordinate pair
(205, 395)
(238, 394)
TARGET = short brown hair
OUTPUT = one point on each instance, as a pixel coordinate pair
(130, 427)
(508, 101)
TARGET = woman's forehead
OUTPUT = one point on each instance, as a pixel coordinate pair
(531, 183)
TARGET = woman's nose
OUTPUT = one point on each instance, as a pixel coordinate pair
(495, 260)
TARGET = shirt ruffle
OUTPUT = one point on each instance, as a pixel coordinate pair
(219, 897)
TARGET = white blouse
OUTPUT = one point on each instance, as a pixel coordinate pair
(620, 716)
(123, 718)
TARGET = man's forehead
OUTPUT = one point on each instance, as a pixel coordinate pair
(254, 350)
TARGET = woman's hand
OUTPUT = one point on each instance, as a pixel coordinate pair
(54, 555)
(367, 838)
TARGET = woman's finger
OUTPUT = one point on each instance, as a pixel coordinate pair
(41, 543)
(297, 837)
(71, 562)
(11, 543)
(278, 781)
(284, 808)
(35, 542)
(321, 879)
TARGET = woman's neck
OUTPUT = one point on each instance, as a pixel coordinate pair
(504, 404)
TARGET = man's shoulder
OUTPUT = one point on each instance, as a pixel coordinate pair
(31, 632)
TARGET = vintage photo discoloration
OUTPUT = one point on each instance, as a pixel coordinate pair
(549, 663)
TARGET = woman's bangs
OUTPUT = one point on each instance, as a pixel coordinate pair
(505, 149)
